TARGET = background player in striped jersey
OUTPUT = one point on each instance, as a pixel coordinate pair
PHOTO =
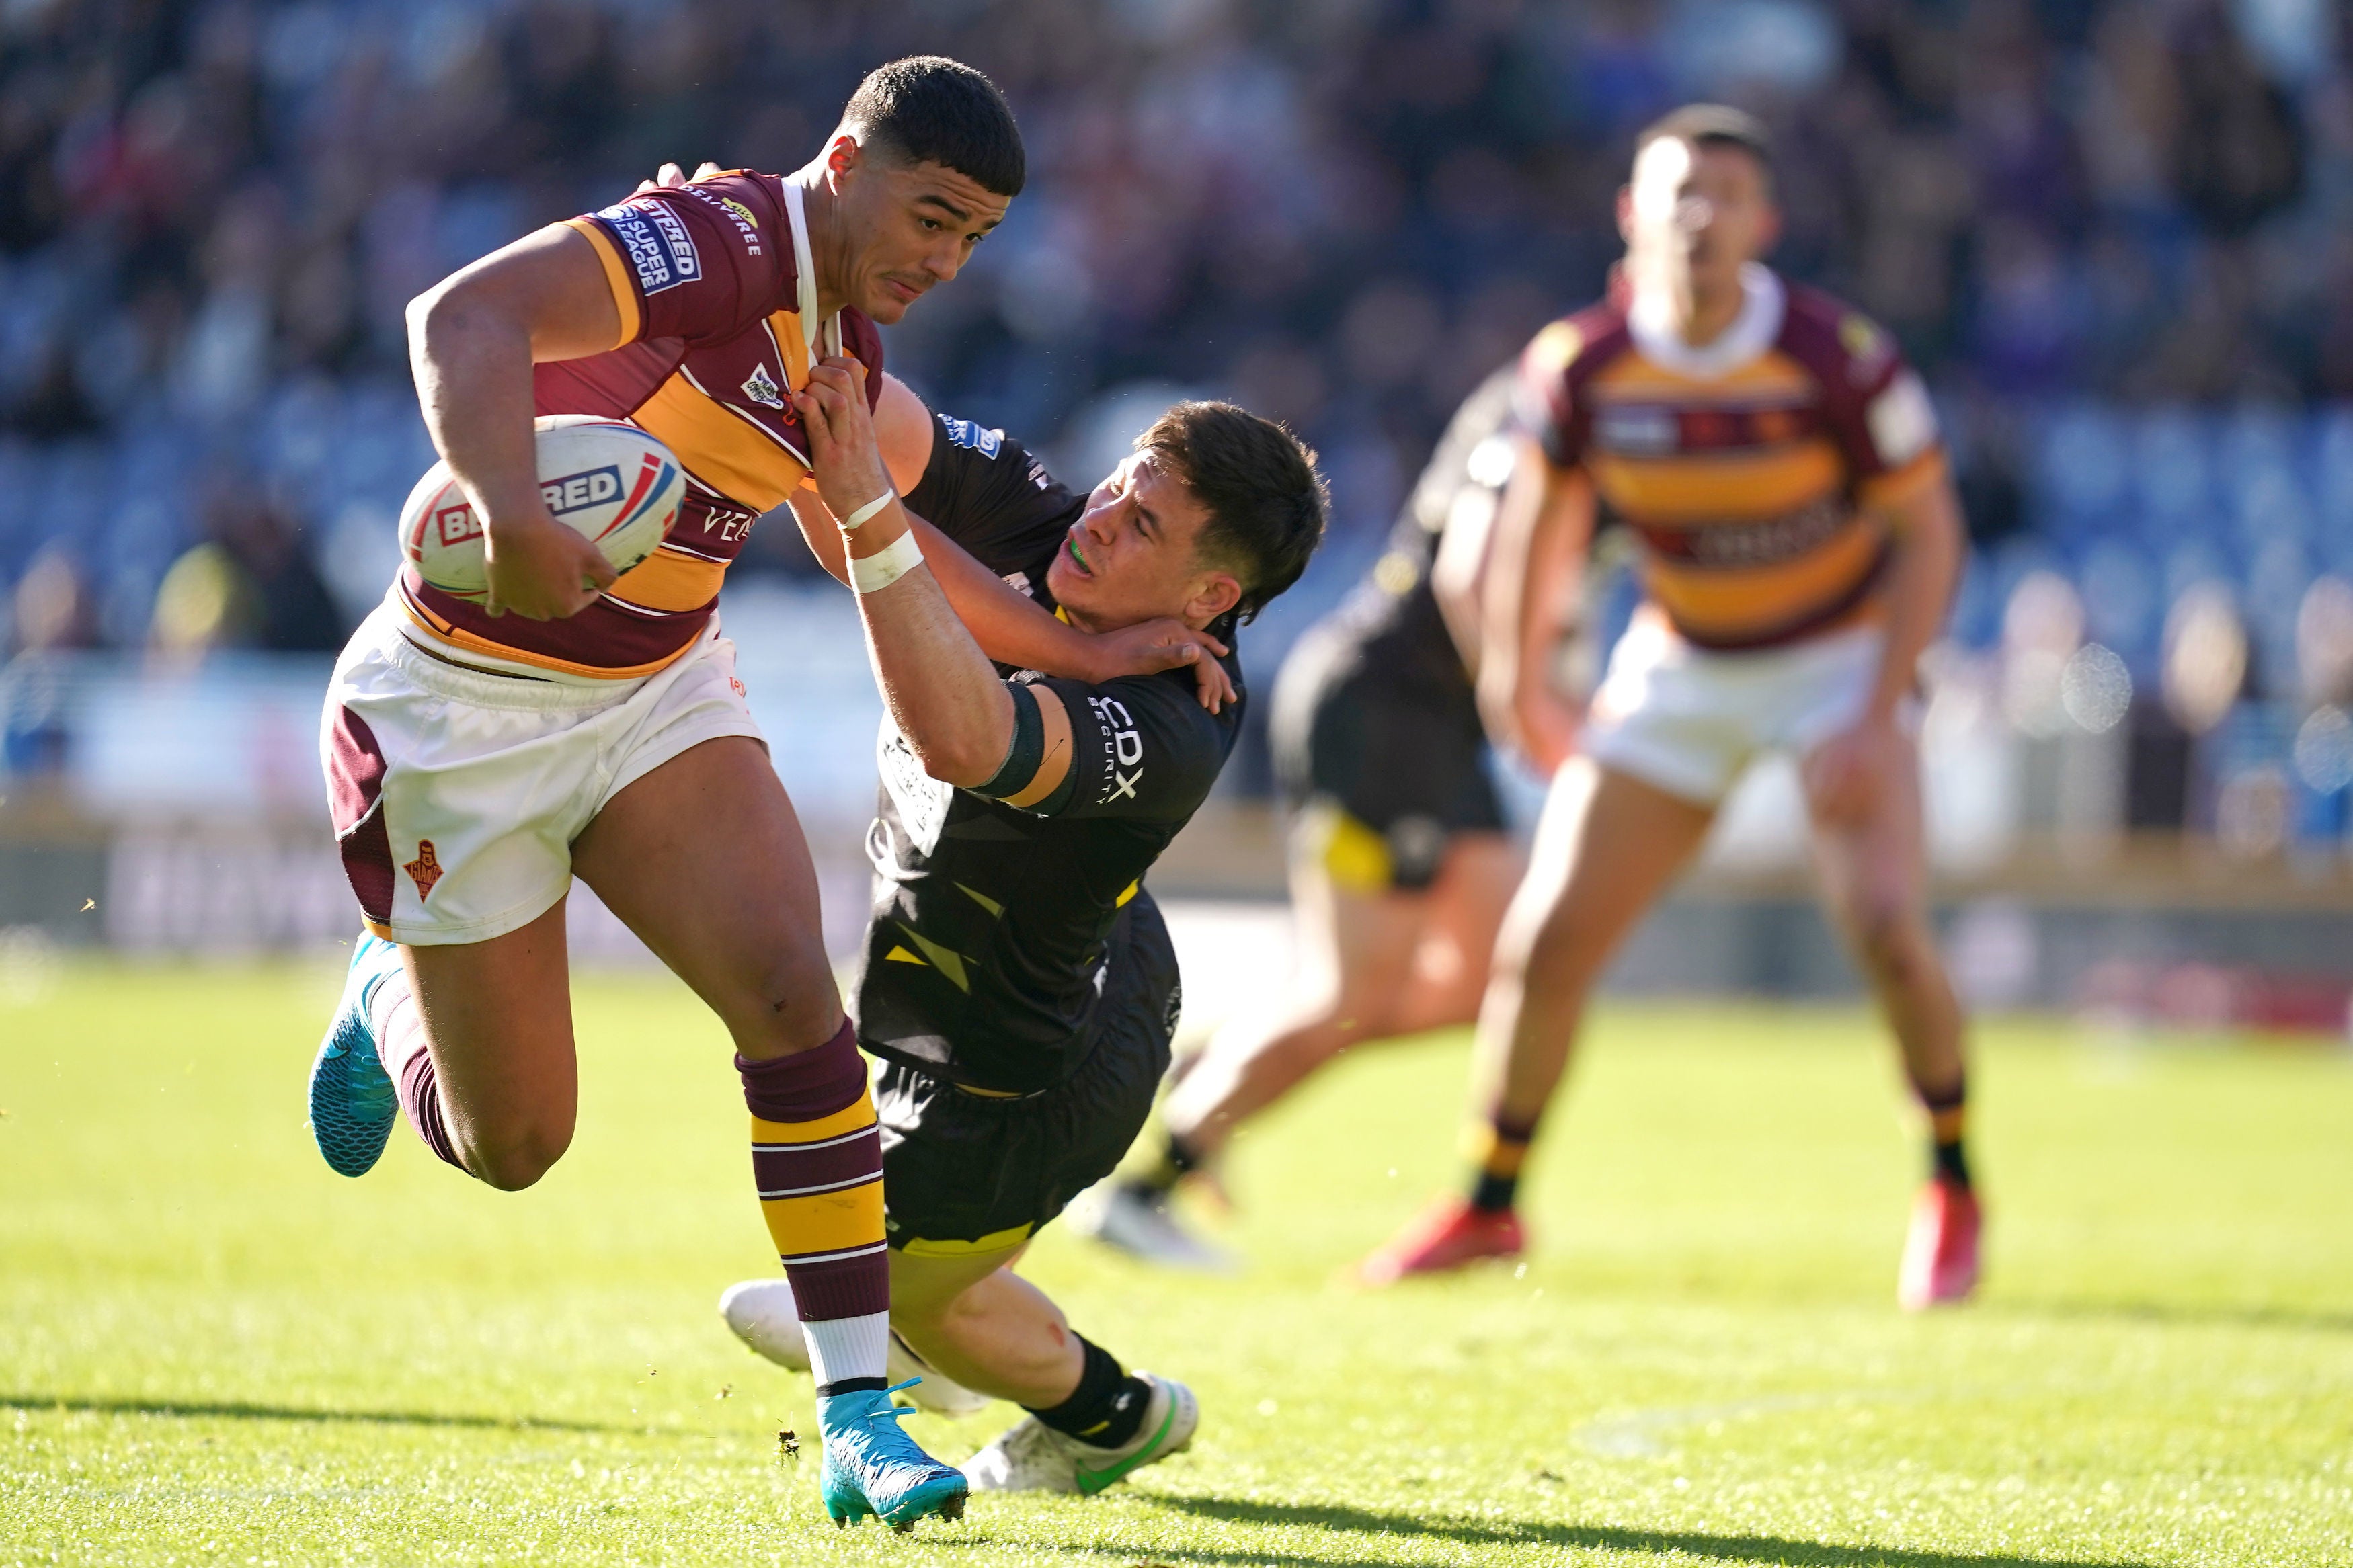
(1799, 537)
(480, 755)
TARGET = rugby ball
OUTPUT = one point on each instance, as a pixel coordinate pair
(615, 484)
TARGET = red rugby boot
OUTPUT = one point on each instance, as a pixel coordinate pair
(1940, 1255)
(1447, 1234)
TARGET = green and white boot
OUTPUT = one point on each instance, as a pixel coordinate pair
(1034, 1457)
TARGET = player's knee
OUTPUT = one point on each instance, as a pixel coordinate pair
(792, 999)
(513, 1160)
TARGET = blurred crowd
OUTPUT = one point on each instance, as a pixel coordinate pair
(2114, 235)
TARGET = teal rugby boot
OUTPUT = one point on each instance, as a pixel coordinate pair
(872, 1467)
(352, 1101)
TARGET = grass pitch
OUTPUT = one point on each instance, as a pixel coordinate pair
(211, 1349)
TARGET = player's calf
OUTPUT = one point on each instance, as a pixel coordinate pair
(1892, 943)
(816, 1158)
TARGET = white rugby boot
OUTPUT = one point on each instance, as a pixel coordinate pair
(1136, 1221)
(765, 1317)
(1034, 1457)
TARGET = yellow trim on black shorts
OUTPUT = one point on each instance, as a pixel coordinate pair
(995, 1241)
(1349, 851)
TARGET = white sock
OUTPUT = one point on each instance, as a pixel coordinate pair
(844, 1348)
(391, 1017)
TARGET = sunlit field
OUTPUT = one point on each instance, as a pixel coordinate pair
(214, 1350)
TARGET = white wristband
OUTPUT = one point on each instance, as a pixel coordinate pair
(871, 574)
(865, 514)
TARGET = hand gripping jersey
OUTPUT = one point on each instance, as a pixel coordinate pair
(986, 957)
(1752, 468)
(715, 292)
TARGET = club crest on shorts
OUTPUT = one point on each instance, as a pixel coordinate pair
(425, 870)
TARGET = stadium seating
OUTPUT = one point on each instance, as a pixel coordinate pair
(203, 269)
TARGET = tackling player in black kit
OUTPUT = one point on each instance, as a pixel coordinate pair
(1018, 982)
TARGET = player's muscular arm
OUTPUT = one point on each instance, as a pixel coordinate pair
(1459, 579)
(1010, 627)
(1927, 533)
(966, 726)
(472, 339)
(961, 720)
(1540, 534)
(1844, 775)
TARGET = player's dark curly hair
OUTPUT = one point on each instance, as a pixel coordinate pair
(927, 109)
(1265, 499)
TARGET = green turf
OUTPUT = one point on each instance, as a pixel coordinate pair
(213, 1350)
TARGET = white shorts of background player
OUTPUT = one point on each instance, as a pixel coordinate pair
(1689, 719)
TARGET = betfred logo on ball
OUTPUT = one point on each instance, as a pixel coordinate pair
(573, 491)
(609, 481)
(456, 524)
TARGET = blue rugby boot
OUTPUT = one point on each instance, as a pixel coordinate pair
(352, 1101)
(872, 1467)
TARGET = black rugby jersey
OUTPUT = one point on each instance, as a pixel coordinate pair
(1392, 617)
(986, 952)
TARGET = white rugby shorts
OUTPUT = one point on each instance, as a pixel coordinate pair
(1689, 719)
(457, 794)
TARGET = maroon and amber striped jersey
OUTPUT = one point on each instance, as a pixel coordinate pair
(711, 341)
(1755, 469)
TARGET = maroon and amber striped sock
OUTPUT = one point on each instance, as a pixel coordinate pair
(1948, 1116)
(1498, 1149)
(400, 1046)
(816, 1158)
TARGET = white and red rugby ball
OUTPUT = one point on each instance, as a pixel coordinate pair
(612, 482)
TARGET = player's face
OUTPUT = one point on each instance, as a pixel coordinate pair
(910, 227)
(1697, 211)
(1132, 555)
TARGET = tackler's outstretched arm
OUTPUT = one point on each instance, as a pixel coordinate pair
(1010, 627)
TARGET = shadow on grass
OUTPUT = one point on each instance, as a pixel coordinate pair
(1772, 1549)
(2186, 1316)
(238, 1410)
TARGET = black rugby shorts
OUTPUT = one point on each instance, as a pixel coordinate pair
(1403, 765)
(965, 1173)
